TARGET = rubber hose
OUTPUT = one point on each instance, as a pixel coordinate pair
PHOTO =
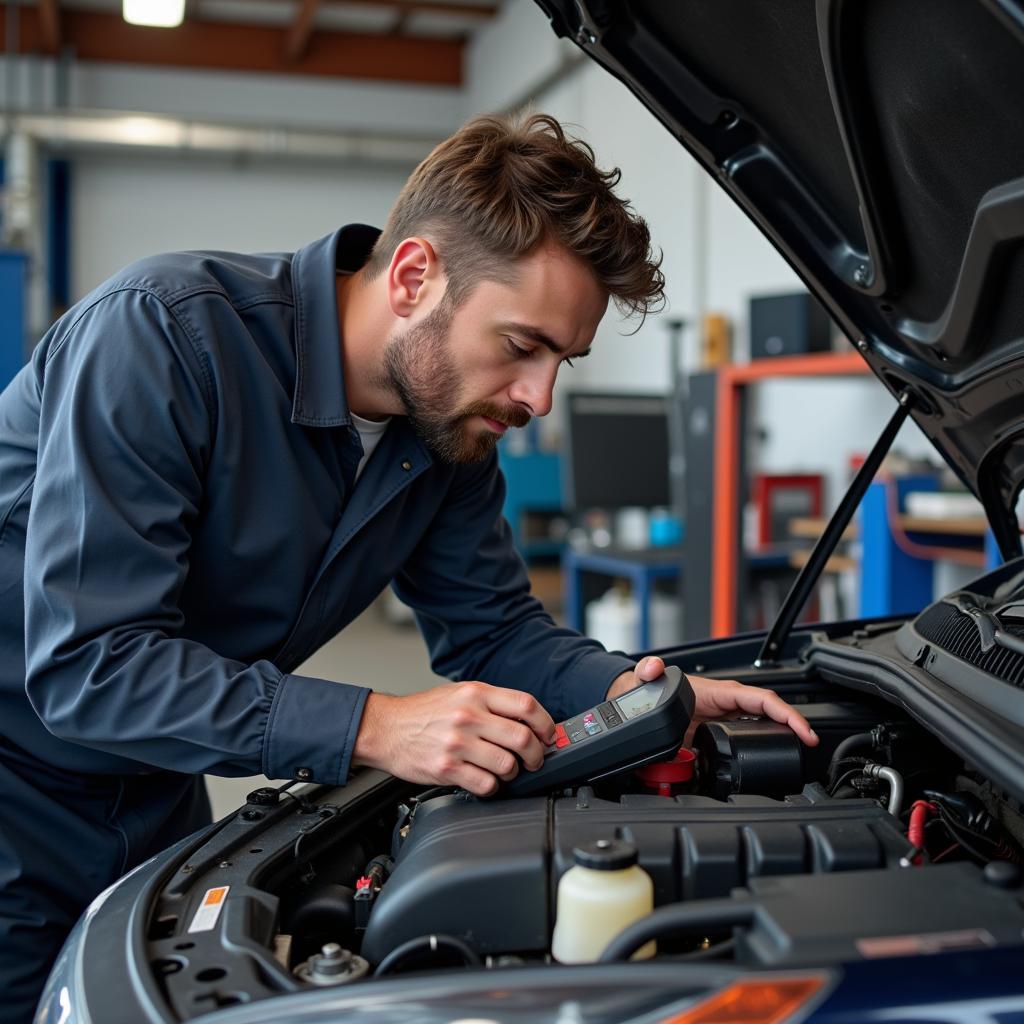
(859, 739)
(677, 919)
(427, 944)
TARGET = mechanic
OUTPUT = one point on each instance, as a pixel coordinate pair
(189, 509)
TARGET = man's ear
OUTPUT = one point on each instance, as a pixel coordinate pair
(413, 276)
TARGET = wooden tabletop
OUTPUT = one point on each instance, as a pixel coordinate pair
(814, 527)
(958, 526)
(961, 526)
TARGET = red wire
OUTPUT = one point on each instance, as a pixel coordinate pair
(1006, 852)
(920, 812)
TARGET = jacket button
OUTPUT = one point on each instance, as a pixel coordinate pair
(407, 465)
(304, 774)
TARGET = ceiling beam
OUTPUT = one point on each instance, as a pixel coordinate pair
(424, 7)
(299, 34)
(224, 46)
(49, 25)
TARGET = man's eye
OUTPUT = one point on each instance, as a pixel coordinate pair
(517, 350)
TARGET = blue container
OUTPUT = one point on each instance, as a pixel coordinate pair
(666, 530)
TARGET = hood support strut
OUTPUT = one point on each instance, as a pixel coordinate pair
(808, 576)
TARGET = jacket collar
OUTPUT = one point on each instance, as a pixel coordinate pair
(319, 396)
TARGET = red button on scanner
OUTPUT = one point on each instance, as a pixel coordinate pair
(561, 740)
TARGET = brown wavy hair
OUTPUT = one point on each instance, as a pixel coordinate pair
(501, 186)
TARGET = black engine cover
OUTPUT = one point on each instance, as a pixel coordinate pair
(487, 872)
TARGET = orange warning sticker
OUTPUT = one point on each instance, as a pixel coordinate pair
(205, 918)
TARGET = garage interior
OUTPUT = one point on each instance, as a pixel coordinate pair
(258, 125)
(252, 484)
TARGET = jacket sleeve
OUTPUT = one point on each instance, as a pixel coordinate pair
(470, 591)
(127, 419)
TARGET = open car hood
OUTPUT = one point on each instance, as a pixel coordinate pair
(879, 146)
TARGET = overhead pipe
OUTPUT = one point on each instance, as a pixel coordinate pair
(145, 131)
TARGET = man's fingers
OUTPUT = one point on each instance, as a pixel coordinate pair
(490, 759)
(520, 706)
(473, 779)
(649, 668)
(515, 737)
(754, 700)
(791, 717)
(717, 698)
(459, 734)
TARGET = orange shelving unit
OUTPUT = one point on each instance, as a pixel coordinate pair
(732, 380)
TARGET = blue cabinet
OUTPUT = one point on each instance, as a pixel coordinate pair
(898, 561)
(534, 496)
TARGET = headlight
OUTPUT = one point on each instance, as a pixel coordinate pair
(63, 998)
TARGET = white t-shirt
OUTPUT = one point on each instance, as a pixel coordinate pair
(370, 433)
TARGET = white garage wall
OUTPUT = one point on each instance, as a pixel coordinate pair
(127, 206)
(510, 57)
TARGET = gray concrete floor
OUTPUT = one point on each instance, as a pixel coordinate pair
(372, 651)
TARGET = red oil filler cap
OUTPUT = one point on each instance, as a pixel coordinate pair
(669, 777)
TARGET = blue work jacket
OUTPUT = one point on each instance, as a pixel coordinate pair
(178, 531)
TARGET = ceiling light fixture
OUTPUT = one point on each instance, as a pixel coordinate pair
(154, 13)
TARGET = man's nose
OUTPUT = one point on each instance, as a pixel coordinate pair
(534, 391)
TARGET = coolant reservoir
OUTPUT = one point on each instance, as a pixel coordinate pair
(604, 892)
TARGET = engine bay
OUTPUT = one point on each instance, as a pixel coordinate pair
(764, 812)
(878, 837)
(892, 837)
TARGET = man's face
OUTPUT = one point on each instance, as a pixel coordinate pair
(465, 376)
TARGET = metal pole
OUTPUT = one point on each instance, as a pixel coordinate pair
(808, 577)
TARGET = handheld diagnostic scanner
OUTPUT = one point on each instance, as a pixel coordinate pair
(640, 726)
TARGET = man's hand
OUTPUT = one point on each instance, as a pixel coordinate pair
(721, 698)
(457, 734)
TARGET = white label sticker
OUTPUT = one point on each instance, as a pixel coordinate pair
(209, 910)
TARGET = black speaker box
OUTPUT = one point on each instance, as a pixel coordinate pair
(788, 325)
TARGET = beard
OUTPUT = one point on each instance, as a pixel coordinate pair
(418, 366)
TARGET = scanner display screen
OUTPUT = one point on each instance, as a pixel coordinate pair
(642, 699)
